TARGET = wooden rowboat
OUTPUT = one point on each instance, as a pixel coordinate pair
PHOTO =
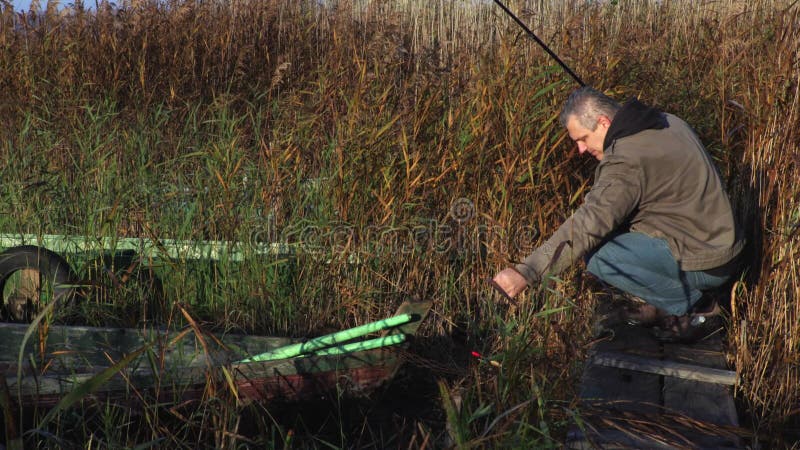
(59, 365)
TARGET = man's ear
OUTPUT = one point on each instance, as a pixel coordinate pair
(604, 121)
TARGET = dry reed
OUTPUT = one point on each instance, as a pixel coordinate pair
(399, 109)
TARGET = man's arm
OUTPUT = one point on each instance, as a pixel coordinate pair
(608, 204)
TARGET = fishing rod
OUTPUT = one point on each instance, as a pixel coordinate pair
(539, 41)
(497, 287)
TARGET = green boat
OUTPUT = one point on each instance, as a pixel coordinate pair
(47, 365)
(43, 365)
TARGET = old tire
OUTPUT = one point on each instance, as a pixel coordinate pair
(31, 277)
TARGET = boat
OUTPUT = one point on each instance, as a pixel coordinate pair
(57, 365)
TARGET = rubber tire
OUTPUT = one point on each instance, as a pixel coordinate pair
(49, 264)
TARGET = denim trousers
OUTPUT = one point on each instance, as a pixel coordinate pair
(644, 266)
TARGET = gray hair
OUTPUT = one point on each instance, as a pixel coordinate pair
(587, 105)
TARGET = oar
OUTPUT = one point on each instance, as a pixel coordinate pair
(313, 345)
(360, 346)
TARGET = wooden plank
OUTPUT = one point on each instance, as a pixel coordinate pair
(664, 367)
(629, 439)
(633, 391)
(608, 393)
(627, 390)
(707, 403)
(617, 439)
(631, 410)
(630, 339)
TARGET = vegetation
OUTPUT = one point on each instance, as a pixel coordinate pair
(411, 148)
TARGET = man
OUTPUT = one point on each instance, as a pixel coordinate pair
(656, 224)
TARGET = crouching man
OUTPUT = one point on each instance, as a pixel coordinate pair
(657, 223)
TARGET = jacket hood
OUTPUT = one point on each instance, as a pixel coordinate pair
(633, 117)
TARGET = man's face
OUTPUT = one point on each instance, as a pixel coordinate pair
(590, 141)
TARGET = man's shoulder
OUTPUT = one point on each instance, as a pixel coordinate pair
(676, 122)
(677, 133)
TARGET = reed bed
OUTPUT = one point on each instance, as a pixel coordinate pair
(412, 149)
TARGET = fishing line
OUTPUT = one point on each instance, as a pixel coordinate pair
(539, 41)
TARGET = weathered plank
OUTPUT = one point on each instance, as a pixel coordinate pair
(612, 438)
(664, 367)
(636, 394)
(630, 390)
(627, 390)
(709, 403)
(608, 393)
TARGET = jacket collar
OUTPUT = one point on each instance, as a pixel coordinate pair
(633, 117)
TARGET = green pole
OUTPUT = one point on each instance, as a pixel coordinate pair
(360, 346)
(293, 350)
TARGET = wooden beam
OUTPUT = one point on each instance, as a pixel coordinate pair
(667, 368)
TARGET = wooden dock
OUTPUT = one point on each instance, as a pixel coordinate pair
(639, 393)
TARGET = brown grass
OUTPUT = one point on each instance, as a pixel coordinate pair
(399, 109)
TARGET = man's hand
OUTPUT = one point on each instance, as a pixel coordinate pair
(510, 281)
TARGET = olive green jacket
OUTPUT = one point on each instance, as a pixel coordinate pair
(660, 182)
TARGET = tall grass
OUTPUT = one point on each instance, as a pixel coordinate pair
(419, 137)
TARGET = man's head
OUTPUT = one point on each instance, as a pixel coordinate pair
(587, 115)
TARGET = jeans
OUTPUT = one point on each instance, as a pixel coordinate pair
(644, 266)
